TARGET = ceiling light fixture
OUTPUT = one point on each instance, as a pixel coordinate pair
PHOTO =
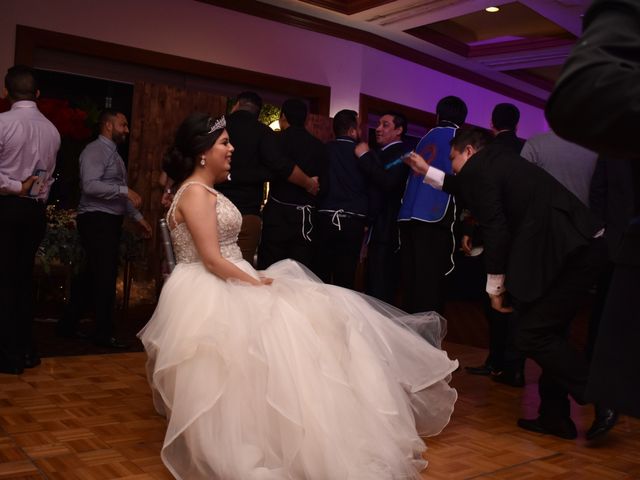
(492, 9)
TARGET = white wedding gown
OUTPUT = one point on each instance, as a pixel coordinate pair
(298, 380)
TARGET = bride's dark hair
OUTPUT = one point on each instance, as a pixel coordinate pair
(194, 136)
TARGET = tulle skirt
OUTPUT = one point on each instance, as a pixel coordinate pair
(298, 380)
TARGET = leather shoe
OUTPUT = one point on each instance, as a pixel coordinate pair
(513, 379)
(31, 360)
(11, 369)
(482, 370)
(111, 343)
(72, 334)
(564, 428)
(605, 420)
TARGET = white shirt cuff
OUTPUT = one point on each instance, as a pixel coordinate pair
(495, 284)
(435, 178)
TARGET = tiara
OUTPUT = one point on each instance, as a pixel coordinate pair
(220, 123)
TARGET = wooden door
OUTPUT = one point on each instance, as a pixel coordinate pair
(157, 112)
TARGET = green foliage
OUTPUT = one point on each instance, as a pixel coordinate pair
(269, 114)
(61, 243)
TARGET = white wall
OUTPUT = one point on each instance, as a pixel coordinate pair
(203, 32)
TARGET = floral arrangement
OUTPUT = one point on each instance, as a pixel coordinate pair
(71, 122)
(61, 245)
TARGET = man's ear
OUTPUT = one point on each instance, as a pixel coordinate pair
(469, 150)
(38, 93)
(5, 92)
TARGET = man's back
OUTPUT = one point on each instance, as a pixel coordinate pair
(570, 164)
(309, 154)
(256, 159)
(28, 141)
(343, 186)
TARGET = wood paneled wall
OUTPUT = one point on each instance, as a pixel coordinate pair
(157, 112)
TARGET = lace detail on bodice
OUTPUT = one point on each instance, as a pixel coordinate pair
(229, 223)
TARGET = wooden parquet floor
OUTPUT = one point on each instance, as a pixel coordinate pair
(91, 417)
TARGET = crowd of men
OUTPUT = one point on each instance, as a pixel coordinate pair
(536, 209)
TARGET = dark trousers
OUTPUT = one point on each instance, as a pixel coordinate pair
(542, 329)
(615, 368)
(498, 335)
(426, 250)
(23, 227)
(383, 271)
(337, 249)
(284, 235)
(100, 236)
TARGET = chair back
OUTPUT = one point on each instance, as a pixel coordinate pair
(166, 242)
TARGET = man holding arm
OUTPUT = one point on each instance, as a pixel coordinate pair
(28, 144)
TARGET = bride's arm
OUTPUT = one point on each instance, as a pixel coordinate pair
(198, 209)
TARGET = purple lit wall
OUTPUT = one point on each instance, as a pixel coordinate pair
(203, 32)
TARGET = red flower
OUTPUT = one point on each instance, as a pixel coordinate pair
(70, 122)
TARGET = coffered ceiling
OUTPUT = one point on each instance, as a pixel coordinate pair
(520, 47)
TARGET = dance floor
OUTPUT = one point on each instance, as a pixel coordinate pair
(91, 417)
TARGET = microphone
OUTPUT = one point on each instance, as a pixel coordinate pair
(398, 160)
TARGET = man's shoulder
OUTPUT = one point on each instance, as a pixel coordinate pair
(437, 135)
(93, 147)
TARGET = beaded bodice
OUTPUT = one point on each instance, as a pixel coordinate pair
(229, 223)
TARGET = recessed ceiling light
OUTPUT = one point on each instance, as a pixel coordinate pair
(492, 9)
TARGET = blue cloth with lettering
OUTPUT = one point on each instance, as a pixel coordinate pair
(422, 201)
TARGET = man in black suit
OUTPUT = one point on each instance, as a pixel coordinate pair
(504, 123)
(287, 217)
(388, 176)
(596, 103)
(540, 246)
(257, 158)
(343, 205)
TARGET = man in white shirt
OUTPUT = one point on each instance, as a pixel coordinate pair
(28, 147)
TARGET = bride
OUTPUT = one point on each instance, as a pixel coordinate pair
(275, 375)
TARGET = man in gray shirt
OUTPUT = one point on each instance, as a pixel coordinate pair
(105, 200)
(570, 164)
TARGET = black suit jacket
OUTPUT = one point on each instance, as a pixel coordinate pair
(596, 102)
(529, 220)
(309, 154)
(257, 158)
(386, 190)
(510, 140)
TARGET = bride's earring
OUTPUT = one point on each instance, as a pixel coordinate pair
(202, 162)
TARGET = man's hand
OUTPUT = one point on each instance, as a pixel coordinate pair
(314, 186)
(134, 198)
(417, 163)
(167, 198)
(26, 185)
(266, 281)
(466, 245)
(361, 149)
(497, 303)
(145, 227)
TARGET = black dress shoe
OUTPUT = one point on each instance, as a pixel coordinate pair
(605, 420)
(513, 379)
(71, 334)
(482, 370)
(11, 369)
(31, 360)
(564, 428)
(111, 343)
